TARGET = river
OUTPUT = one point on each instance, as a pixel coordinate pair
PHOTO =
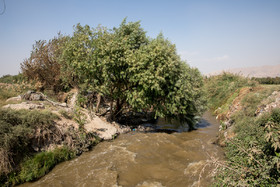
(144, 160)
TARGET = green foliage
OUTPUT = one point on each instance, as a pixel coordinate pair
(37, 166)
(254, 153)
(132, 71)
(221, 87)
(11, 90)
(66, 114)
(16, 132)
(11, 79)
(6, 94)
(17, 135)
(225, 107)
(80, 118)
(267, 80)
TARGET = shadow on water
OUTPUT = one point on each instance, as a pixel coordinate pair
(202, 124)
(173, 126)
(145, 122)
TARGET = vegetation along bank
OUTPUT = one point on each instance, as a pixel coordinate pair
(97, 83)
(250, 130)
(85, 88)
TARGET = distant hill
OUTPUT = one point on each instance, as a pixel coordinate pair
(260, 71)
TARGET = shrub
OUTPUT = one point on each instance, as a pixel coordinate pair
(11, 79)
(267, 80)
(43, 64)
(6, 94)
(37, 166)
(221, 87)
(67, 115)
(16, 132)
(254, 154)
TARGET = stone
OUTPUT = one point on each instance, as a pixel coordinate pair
(63, 104)
(36, 97)
(25, 105)
(32, 96)
(102, 128)
(18, 98)
(27, 95)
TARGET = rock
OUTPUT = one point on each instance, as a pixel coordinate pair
(102, 128)
(73, 99)
(26, 96)
(63, 104)
(217, 110)
(18, 98)
(273, 101)
(32, 96)
(36, 97)
(25, 105)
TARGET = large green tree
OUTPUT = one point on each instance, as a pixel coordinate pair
(134, 71)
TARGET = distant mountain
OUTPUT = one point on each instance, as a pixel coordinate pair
(261, 71)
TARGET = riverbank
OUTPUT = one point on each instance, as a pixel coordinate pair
(145, 159)
(38, 133)
(249, 130)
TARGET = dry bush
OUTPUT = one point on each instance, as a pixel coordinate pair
(43, 65)
(5, 162)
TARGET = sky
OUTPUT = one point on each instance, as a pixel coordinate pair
(211, 35)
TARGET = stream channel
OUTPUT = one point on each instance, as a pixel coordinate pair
(179, 159)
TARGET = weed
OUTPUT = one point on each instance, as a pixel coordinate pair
(67, 115)
(253, 155)
(80, 118)
(16, 133)
(36, 166)
(42, 163)
(220, 88)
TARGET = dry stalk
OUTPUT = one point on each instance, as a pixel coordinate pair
(5, 161)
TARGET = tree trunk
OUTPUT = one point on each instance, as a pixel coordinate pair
(118, 108)
(98, 102)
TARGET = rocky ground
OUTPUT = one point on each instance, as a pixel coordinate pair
(266, 105)
(92, 123)
(71, 116)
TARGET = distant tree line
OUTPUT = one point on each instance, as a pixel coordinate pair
(11, 79)
(267, 80)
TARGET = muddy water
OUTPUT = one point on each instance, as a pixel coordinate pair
(138, 159)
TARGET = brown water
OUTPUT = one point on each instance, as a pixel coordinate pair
(144, 159)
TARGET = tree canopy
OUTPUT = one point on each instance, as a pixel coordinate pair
(133, 71)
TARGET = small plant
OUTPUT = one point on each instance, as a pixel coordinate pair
(254, 154)
(80, 118)
(16, 133)
(42, 163)
(114, 136)
(38, 165)
(221, 87)
(67, 115)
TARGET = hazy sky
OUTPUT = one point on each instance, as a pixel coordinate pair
(210, 35)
